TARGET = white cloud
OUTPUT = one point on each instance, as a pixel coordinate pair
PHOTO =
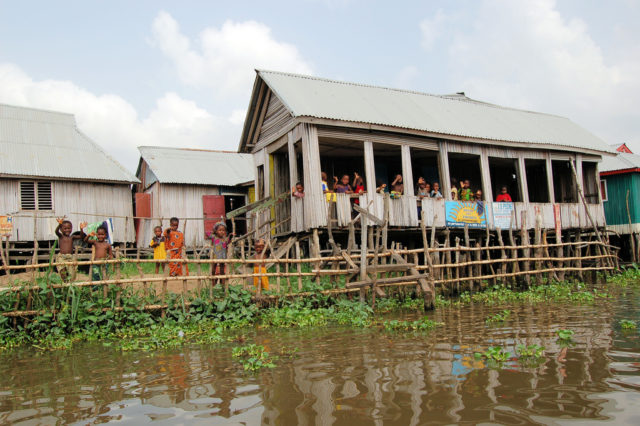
(432, 29)
(114, 123)
(225, 57)
(526, 54)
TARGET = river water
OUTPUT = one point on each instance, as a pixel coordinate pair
(344, 375)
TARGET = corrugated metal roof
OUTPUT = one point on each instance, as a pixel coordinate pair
(198, 166)
(622, 161)
(39, 143)
(454, 115)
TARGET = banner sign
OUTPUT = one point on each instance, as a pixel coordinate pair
(459, 213)
(502, 215)
(6, 225)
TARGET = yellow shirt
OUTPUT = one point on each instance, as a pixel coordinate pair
(159, 252)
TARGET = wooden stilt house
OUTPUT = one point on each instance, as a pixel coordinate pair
(196, 185)
(49, 168)
(299, 126)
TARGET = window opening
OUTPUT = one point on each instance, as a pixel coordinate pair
(339, 157)
(503, 172)
(604, 193)
(463, 168)
(388, 165)
(564, 187)
(424, 164)
(590, 182)
(537, 184)
(36, 195)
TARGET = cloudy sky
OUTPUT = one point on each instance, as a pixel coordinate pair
(180, 73)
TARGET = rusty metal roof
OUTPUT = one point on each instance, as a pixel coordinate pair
(39, 143)
(198, 166)
(455, 115)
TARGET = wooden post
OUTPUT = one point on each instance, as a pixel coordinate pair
(514, 252)
(316, 250)
(363, 253)
(447, 244)
(524, 240)
(34, 259)
(632, 242)
(299, 266)
(503, 254)
(467, 256)
(118, 276)
(537, 251)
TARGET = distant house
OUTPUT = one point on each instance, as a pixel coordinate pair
(620, 175)
(49, 168)
(190, 184)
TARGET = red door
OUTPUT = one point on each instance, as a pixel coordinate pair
(143, 209)
(213, 211)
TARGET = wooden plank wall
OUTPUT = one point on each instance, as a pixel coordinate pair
(95, 200)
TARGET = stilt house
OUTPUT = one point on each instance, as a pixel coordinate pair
(298, 126)
(49, 168)
(620, 188)
(196, 185)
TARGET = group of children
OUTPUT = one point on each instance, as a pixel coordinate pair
(167, 244)
(465, 193)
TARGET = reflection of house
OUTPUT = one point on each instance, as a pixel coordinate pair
(49, 168)
(298, 126)
(190, 184)
(619, 176)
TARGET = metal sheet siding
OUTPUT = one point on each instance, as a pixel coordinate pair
(48, 144)
(182, 201)
(459, 116)
(77, 201)
(198, 167)
(615, 207)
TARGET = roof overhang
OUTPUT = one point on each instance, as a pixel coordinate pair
(620, 172)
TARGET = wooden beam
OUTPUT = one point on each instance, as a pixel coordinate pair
(369, 169)
(407, 172)
(522, 179)
(552, 197)
(365, 214)
(443, 169)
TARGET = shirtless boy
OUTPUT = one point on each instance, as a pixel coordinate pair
(65, 244)
(102, 251)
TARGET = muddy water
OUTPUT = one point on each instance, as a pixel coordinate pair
(351, 376)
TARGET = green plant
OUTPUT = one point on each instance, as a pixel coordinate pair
(565, 334)
(253, 357)
(531, 351)
(499, 317)
(419, 325)
(494, 353)
(628, 324)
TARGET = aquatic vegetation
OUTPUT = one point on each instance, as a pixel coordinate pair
(628, 324)
(499, 317)
(253, 357)
(565, 334)
(494, 353)
(531, 351)
(419, 325)
(628, 276)
(552, 292)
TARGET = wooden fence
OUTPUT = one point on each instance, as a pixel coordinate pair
(445, 269)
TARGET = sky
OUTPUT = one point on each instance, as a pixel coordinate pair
(180, 74)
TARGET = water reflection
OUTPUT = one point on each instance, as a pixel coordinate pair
(350, 376)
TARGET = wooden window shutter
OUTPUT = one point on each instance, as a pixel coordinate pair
(45, 200)
(27, 196)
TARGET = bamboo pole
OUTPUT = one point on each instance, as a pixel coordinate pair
(632, 242)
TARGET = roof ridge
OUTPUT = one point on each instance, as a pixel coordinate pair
(127, 173)
(461, 98)
(188, 149)
(39, 109)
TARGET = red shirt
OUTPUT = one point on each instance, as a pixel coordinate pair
(504, 198)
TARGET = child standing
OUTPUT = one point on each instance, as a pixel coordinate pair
(435, 192)
(159, 251)
(397, 187)
(262, 281)
(219, 244)
(331, 196)
(103, 250)
(343, 186)
(174, 243)
(65, 244)
(504, 196)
